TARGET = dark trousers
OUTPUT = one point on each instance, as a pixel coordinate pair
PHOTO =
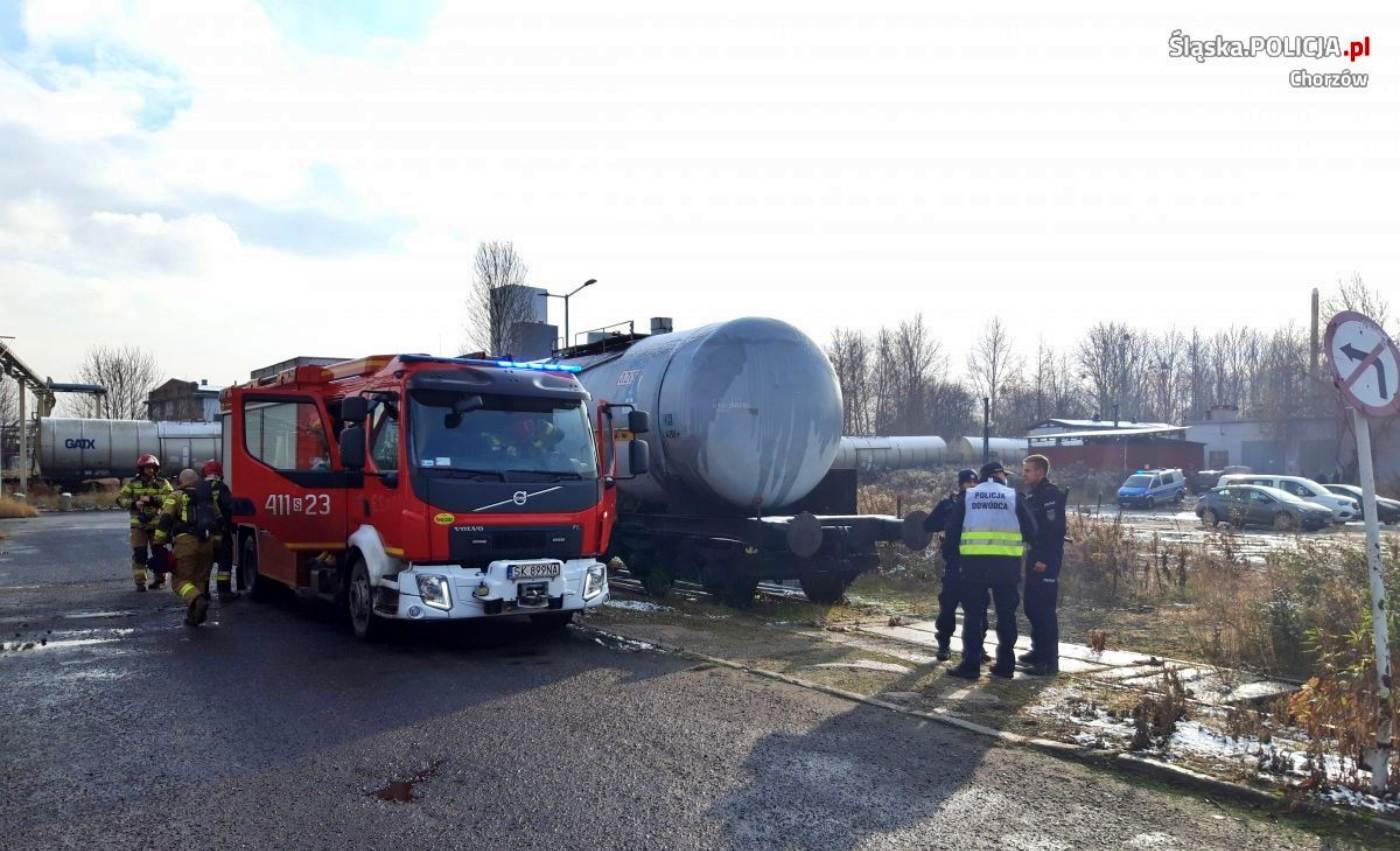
(948, 598)
(223, 556)
(974, 602)
(1042, 596)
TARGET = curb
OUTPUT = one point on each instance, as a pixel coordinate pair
(1128, 762)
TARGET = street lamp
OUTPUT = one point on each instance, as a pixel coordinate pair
(588, 283)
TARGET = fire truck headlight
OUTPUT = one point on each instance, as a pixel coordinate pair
(434, 591)
(595, 581)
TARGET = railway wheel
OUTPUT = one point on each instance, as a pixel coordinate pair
(738, 590)
(824, 588)
(551, 622)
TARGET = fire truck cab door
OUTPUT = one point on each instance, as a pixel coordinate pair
(301, 495)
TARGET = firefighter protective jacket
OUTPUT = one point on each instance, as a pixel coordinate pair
(144, 515)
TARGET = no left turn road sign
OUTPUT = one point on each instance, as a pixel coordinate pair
(1365, 363)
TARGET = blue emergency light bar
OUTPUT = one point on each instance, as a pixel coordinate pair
(543, 367)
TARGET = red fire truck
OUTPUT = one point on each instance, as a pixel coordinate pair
(409, 487)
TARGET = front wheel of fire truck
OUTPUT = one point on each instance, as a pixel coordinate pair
(359, 599)
(258, 588)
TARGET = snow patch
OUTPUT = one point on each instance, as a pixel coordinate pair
(637, 606)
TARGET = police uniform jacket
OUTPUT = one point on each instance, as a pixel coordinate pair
(1047, 506)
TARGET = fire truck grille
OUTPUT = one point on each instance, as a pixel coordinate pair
(480, 547)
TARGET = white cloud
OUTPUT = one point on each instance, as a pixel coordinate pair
(702, 163)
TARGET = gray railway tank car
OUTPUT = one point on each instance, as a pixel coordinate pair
(745, 425)
(73, 450)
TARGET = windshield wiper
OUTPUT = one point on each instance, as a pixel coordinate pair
(467, 472)
(558, 475)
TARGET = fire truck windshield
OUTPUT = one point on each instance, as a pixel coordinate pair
(517, 437)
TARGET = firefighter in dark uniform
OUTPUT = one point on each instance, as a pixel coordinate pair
(1047, 551)
(949, 593)
(142, 498)
(213, 473)
(993, 527)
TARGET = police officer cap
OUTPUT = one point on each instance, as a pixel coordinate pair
(991, 468)
(967, 475)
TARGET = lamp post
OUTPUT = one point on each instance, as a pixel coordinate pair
(566, 296)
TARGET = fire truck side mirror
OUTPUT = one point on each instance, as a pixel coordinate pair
(638, 422)
(352, 447)
(354, 409)
(638, 457)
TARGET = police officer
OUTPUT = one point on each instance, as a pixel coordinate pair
(213, 473)
(194, 553)
(993, 527)
(948, 595)
(142, 498)
(1047, 551)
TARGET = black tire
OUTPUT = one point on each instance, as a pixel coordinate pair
(1210, 518)
(825, 589)
(259, 588)
(1284, 522)
(1150, 504)
(551, 622)
(359, 603)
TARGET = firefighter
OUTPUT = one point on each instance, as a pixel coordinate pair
(142, 498)
(213, 473)
(993, 528)
(1047, 506)
(183, 526)
(530, 437)
(949, 593)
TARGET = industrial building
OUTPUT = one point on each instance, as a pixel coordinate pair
(183, 401)
(1312, 446)
(1122, 449)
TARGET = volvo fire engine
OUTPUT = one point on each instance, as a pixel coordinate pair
(417, 488)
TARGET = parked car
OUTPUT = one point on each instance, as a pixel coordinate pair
(1204, 480)
(1253, 505)
(1151, 488)
(1343, 508)
(1387, 509)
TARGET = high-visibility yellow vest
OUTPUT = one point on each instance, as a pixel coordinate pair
(990, 527)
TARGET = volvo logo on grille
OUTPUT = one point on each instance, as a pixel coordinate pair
(519, 498)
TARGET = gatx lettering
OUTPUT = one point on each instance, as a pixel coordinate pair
(80, 443)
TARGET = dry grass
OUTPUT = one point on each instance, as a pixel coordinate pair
(12, 508)
(1156, 714)
(84, 501)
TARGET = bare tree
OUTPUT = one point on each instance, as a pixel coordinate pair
(1355, 295)
(498, 298)
(917, 361)
(129, 373)
(991, 363)
(849, 354)
(9, 401)
(1109, 356)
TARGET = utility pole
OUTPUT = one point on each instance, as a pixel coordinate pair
(986, 429)
(23, 443)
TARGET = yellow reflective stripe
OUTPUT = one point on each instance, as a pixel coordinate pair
(991, 550)
(991, 536)
(186, 590)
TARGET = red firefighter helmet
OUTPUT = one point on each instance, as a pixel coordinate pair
(147, 460)
(212, 468)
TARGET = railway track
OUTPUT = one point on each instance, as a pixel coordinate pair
(625, 582)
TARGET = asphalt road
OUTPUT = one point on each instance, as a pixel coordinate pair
(270, 727)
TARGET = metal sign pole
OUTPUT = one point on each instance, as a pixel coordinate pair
(1380, 757)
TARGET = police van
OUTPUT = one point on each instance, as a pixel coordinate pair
(1151, 488)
